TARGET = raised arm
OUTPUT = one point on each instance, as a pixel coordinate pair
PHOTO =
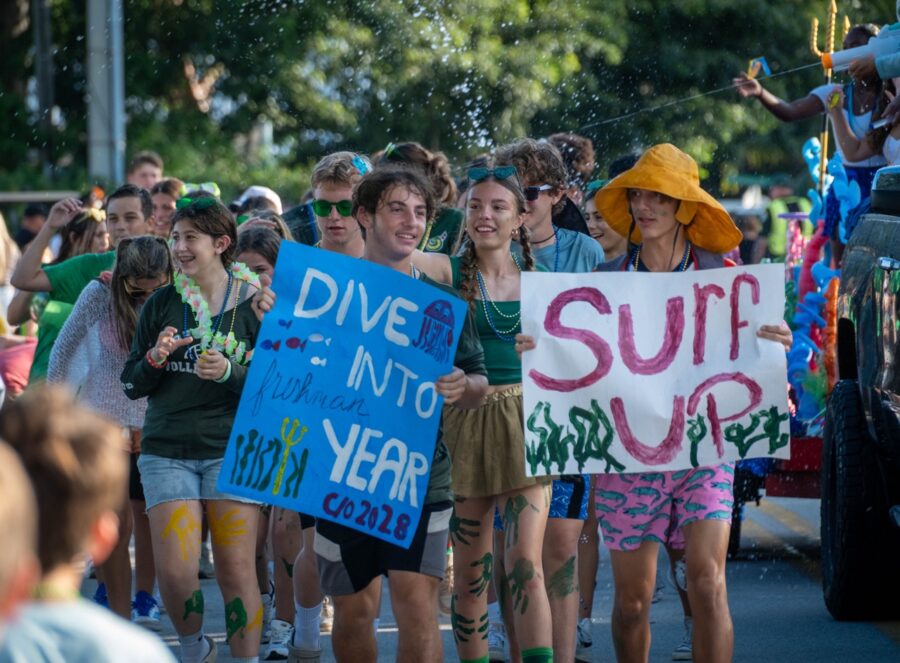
(786, 111)
(852, 147)
(29, 274)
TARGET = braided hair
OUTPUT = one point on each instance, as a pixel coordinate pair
(468, 264)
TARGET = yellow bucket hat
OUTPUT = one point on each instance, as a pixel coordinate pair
(666, 169)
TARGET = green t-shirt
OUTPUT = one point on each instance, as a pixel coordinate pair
(70, 277)
(446, 232)
(470, 358)
(67, 280)
(187, 417)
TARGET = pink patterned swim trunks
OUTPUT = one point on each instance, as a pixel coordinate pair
(655, 506)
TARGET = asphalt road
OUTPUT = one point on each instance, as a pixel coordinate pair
(774, 593)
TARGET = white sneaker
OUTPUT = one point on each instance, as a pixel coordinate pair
(685, 651)
(584, 642)
(327, 618)
(268, 606)
(280, 635)
(496, 642)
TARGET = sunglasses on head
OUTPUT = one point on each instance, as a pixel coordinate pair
(532, 193)
(131, 291)
(194, 203)
(480, 174)
(322, 208)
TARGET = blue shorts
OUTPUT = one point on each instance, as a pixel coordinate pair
(177, 479)
(571, 494)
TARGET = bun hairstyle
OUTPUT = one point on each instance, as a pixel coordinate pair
(434, 165)
(77, 464)
(210, 217)
(469, 258)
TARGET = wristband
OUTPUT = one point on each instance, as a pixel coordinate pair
(226, 374)
(153, 363)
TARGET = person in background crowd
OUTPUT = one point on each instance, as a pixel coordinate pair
(164, 195)
(445, 231)
(33, 219)
(578, 156)
(129, 212)
(78, 472)
(145, 169)
(258, 197)
(9, 256)
(102, 324)
(861, 95)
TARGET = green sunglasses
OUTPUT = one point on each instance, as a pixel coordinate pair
(322, 208)
(500, 173)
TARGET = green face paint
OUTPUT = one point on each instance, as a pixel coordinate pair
(235, 617)
(565, 581)
(480, 584)
(522, 572)
(463, 529)
(193, 604)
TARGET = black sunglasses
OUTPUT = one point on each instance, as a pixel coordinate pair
(532, 193)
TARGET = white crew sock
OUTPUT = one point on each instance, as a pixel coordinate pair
(307, 622)
(494, 614)
(194, 647)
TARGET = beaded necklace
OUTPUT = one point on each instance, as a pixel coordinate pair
(507, 335)
(682, 265)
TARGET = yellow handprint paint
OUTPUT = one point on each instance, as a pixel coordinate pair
(183, 523)
(228, 527)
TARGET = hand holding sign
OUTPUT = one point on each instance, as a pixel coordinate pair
(264, 298)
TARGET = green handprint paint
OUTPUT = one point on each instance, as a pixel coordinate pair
(193, 604)
(522, 572)
(482, 582)
(463, 529)
(235, 617)
(564, 581)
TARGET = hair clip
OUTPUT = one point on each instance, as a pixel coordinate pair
(389, 150)
(362, 164)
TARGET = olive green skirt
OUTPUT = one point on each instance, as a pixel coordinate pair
(487, 446)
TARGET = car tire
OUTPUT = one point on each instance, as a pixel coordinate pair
(858, 577)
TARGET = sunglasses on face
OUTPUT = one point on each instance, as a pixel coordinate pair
(500, 173)
(322, 208)
(131, 291)
(532, 193)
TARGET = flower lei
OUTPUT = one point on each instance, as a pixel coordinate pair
(190, 295)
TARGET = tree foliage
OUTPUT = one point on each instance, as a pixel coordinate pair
(205, 79)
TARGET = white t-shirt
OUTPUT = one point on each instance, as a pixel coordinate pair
(859, 125)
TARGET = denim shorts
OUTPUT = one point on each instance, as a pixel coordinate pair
(177, 479)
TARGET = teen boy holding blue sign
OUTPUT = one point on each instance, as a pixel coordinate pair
(392, 206)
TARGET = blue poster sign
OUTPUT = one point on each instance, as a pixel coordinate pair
(339, 414)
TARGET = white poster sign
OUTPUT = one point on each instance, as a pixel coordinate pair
(642, 372)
